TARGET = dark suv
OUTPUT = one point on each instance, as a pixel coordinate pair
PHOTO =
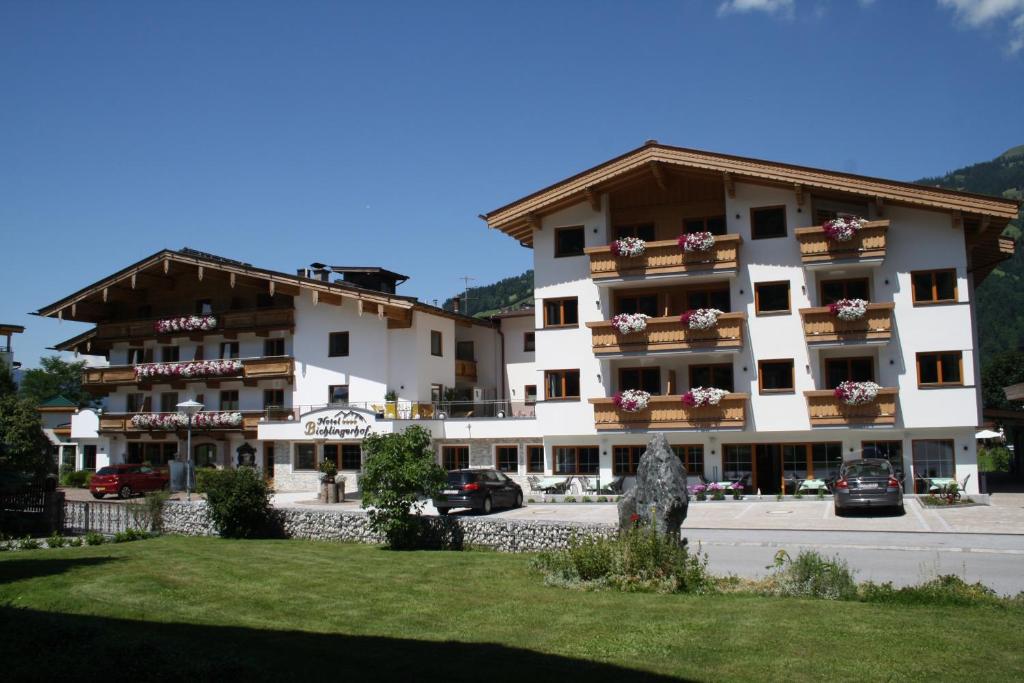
(480, 489)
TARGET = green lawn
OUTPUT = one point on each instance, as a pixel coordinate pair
(205, 608)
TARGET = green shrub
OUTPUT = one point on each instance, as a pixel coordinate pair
(811, 575)
(947, 590)
(569, 499)
(238, 502)
(400, 469)
(586, 499)
(602, 499)
(29, 543)
(77, 479)
(129, 535)
(637, 560)
(74, 542)
(147, 513)
(210, 477)
(55, 540)
(821, 494)
(94, 538)
(994, 459)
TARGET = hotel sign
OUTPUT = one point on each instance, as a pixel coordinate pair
(343, 424)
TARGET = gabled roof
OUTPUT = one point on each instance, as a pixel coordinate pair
(518, 218)
(58, 402)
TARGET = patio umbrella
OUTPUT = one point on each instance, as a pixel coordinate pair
(989, 434)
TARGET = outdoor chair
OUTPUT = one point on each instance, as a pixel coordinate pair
(615, 486)
(534, 482)
(963, 484)
(588, 485)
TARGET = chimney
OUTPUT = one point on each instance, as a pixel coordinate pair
(455, 304)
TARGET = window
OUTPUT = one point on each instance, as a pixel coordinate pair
(834, 290)
(529, 342)
(436, 343)
(771, 297)
(331, 453)
(561, 312)
(644, 231)
(718, 376)
(273, 347)
(646, 379)
(638, 303)
(134, 403)
(625, 459)
(839, 370)
(795, 463)
(737, 462)
(506, 458)
(305, 456)
(351, 456)
(934, 286)
(135, 355)
(942, 368)
(169, 354)
(561, 384)
(534, 458)
(204, 306)
(464, 351)
(436, 393)
(767, 221)
(577, 459)
(934, 458)
(530, 392)
(692, 458)
(229, 349)
(89, 457)
(775, 376)
(888, 450)
(169, 402)
(229, 399)
(455, 457)
(337, 344)
(569, 242)
(713, 224)
(337, 394)
(273, 398)
(826, 459)
(709, 298)
(205, 455)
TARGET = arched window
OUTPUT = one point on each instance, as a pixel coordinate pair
(205, 455)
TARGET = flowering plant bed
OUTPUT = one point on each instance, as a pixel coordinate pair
(699, 397)
(631, 400)
(628, 246)
(697, 242)
(843, 229)
(857, 393)
(700, 318)
(188, 370)
(629, 323)
(188, 323)
(849, 309)
(170, 421)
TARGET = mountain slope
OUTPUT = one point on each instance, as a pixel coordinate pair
(512, 292)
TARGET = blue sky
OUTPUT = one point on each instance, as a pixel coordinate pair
(284, 133)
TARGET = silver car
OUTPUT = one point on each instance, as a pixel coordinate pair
(867, 483)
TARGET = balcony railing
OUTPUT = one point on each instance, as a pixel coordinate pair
(252, 320)
(666, 257)
(669, 334)
(669, 412)
(123, 422)
(826, 410)
(822, 327)
(417, 410)
(465, 369)
(253, 369)
(865, 246)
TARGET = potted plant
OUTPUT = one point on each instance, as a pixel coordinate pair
(391, 404)
(328, 483)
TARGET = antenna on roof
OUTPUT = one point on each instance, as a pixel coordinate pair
(465, 296)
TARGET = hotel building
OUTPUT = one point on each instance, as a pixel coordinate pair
(301, 367)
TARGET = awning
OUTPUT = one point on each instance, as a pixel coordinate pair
(989, 434)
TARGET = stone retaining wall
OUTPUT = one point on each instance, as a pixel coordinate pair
(505, 535)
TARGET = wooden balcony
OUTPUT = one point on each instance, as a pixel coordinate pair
(465, 369)
(669, 335)
(822, 327)
(668, 412)
(253, 370)
(867, 246)
(229, 324)
(122, 423)
(665, 257)
(825, 410)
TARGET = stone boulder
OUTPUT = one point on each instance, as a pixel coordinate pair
(659, 496)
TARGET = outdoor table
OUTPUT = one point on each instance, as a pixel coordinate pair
(939, 483)
(547, 483)
(813, 485)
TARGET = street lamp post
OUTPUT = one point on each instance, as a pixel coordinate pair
(189, 409)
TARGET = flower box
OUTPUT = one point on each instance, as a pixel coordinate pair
(188, 323)
(630, 323)
(173, 421)
(188, 370)
(849, 309)
(844, 228)
(699, 397)
(631, 400)
(697, 242)
(857, 393)
(628, 246)
(700, 318)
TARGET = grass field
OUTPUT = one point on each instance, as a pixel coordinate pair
(203, 608)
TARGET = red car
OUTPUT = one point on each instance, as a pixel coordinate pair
(126, 480)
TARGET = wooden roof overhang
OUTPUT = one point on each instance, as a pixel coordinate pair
(655, 161)
(160, 269)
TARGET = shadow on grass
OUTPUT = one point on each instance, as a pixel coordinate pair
(25, 568)
(95, 648)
